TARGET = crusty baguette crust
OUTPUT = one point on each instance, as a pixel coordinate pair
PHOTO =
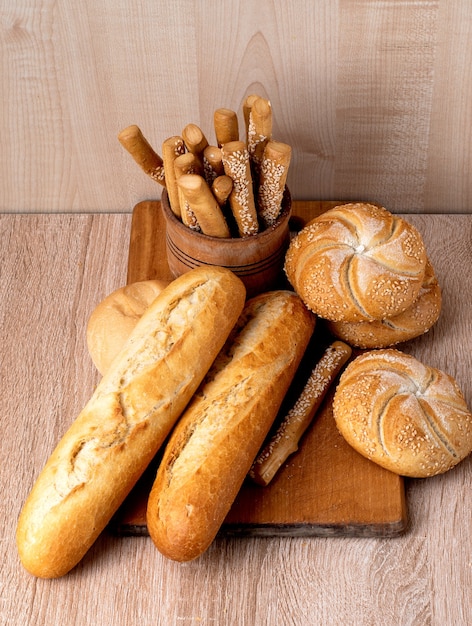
(410, 418)
(113, 319)
(132, 411)
(215, 442)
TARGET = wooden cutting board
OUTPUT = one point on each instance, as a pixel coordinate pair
(326, 488)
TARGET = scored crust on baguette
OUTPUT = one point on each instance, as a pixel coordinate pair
(409, 418)
(128, 417)
(113, 319)
(411, 323)
(357, 262)
(217, 438)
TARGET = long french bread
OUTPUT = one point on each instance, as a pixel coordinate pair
(129, 415)
(217, 438)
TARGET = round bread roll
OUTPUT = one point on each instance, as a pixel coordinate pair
(405, 416)
(357, 262)
(112, 321)
(413, 322)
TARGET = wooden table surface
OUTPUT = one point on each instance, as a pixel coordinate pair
(54, 269)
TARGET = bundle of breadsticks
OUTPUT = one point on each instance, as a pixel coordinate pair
(233, 188)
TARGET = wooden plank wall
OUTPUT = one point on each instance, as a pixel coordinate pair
(373, 96)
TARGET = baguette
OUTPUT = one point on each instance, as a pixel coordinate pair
(217, 439)
(131, 412)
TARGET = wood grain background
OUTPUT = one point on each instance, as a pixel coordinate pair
(373, 96)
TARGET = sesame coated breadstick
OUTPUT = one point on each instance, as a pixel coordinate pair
(204, 205)
(133, 140)
(172, 147)
(259, 129)
(286, 439)
(272, 178)
(241, 199)
(225, 122)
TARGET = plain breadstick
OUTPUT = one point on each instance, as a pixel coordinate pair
(237, 166)
(226, 126)
(187, 163)
(272, 178)
(194, 139)
(172, 147)
(285, 440)
(204, 205)
(133, 140)
(221, 188)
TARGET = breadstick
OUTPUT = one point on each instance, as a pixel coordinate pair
(247, 106)
(272, 179)
(286, 439)
(259, 129)
(221, 188)
(241, 199)
(133, 140)
(172, 147)
(226, 126)
(212, 163)
(204, 205)
(194, 139)
(187, 163)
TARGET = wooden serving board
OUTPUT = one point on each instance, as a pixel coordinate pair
(326, 488)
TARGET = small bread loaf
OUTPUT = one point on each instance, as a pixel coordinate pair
(113, 319)
(413, 322)
(216, 440)
(357, 262)
(128, 417)
(405, 416)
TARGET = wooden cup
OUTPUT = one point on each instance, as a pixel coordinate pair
(257, 259)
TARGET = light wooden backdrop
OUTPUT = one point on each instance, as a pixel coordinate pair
(375, 97)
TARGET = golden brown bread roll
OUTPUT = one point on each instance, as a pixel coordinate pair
(416, 320)
(217, 438)
(113, 319)
(409, 418)
(131, 412)
(357, 262)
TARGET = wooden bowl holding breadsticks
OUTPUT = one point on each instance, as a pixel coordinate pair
(256, 260)
(225, 203)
